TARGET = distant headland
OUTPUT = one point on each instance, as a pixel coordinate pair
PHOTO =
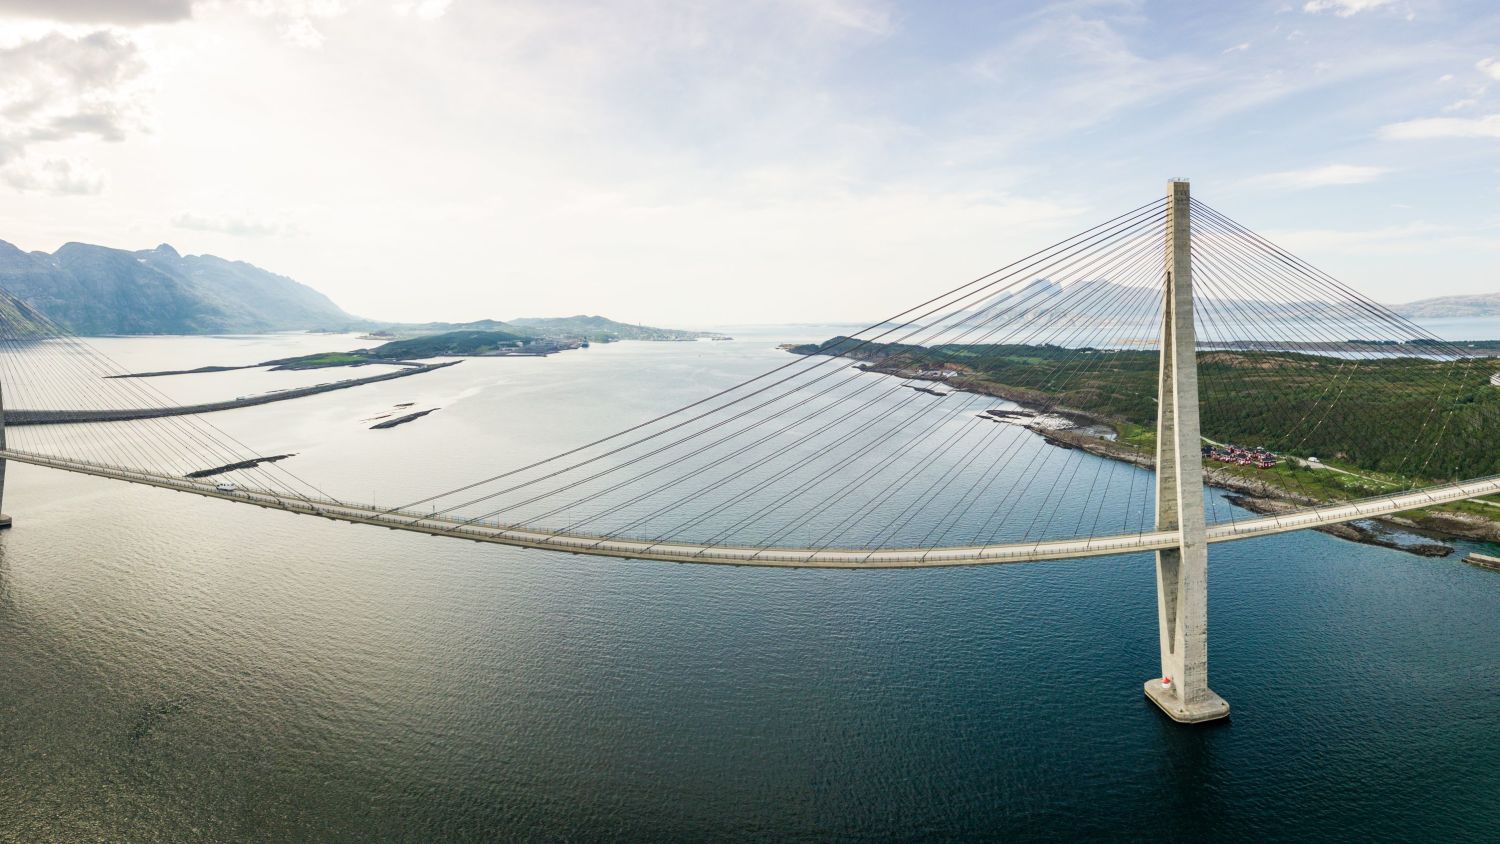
(92, 290)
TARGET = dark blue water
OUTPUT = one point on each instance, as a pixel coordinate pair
(312, 687)
(184, 669)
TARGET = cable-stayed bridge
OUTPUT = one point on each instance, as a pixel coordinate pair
(1160, 337)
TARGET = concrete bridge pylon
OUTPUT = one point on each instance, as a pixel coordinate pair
(1181, 690)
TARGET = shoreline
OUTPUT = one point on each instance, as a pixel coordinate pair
(1256, 496)
(1268, 498)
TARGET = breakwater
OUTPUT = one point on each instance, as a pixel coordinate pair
(24, 416)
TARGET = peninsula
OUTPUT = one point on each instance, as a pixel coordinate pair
(401, 353)
(1272, 400)
(406, 355)
(23, 416)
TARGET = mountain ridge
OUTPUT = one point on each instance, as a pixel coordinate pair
(1443, 307)
(95, 290)
(101, 290)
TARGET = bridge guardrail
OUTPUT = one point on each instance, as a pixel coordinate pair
(583, 543)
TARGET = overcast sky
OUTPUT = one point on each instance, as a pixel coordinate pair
(695, 163)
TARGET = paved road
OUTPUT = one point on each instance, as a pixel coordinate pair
(679, 552)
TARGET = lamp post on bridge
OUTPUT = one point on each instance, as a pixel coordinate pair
(1182, 689)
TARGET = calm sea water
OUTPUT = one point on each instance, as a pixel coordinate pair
(183, 669)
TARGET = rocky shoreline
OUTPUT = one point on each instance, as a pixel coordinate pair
(1369, 533)
(1266, 498)
(1257, 496)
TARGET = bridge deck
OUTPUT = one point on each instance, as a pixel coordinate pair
(680, 552)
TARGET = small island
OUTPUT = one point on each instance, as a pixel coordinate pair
(405, 355)
(468, 343)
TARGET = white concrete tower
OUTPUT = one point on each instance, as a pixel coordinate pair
(1182, 572)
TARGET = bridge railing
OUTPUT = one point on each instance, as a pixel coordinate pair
(492, 530)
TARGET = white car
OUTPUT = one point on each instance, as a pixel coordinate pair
(226, 486)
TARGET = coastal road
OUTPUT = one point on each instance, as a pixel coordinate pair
(1321, 465)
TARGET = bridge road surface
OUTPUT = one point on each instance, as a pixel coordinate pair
(844, 558)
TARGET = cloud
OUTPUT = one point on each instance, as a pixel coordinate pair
(422, 9)
(1415, 238)
(58, 176)
(1490, 66)
(732, 121)
(1443, 127)
(1343, 8)
(126, 12)
(1460, 105)
(1316, 177)
(300, 32)
(56, 88)
(238, 225)
(848, 14)
(1092, 70)
(297, 20)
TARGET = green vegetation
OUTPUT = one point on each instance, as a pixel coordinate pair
(595, 329)
(20, 320)
(428, 346)
(1392, 420)
(603, 330)
(320, 361)
(449, 343)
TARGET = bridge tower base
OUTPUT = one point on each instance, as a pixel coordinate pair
(1181, 690)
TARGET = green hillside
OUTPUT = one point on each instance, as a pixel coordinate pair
(450, 343)
(1406, 416)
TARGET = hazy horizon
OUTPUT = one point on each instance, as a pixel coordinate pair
(682, 163)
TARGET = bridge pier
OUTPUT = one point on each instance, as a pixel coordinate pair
(1181, 690)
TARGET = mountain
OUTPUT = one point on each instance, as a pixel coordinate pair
(1101, 300)
(1480, 305)
(606, 330)
(593, 328)
(96, 290)
(419, 328)
(1094, 298)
